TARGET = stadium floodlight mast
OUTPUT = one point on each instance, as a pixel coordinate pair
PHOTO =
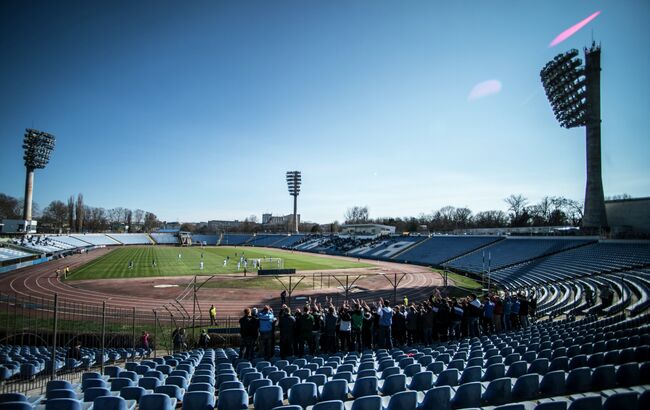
(574, 93)
(38, 146)
(294, 179)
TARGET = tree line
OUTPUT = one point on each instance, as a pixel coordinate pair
(549, 211)
(76, 216)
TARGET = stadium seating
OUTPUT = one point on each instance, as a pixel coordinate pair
(440, 248)
(98, 239)
(164, 238)
(131, 238)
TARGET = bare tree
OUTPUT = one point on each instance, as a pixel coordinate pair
(357, 215)
(517, 206)
(56, 213)
(129, 220)
(9, 207)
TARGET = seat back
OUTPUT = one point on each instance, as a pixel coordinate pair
(335, 390)
(232, 399)
(155, 401)
(267, 397)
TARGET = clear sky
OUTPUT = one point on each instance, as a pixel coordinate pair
(195, 110)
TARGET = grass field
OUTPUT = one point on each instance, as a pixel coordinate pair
(115, 264)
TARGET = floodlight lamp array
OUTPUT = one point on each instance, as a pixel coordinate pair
(294, 179)
(38, 146)
(564, 82)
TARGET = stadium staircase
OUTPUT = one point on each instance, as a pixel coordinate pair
(415, 244)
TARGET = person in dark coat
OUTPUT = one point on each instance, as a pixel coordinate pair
(286, 324)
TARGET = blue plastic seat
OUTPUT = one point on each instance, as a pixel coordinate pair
(111, 403)
(412, 369)
(198, 400)
(112, 371)
(57, 385)
(448, 377)
(204, 387)
(63, 394)
(15, 405)
(286, 383)
(277, 375)
(539, 366)
(249, 377)
(405, 400)
(470, 374)
(149, 383)
(553, 405)
(203, 379)
(256, 384)
(328, 405)
(171, 390)
(628, 374)
(586, 403)
(498, 392)
(517, 369)
(347, 376)
(467, 395)
(334, 390)
(63, 404)
(422, 381)
(365, 386)
(553, 384)
(156, 401)
(603, 377)
(366, 403)
(579, 380)
(303, 394)
(493, 372)
(627, 401)
(132, 393)
(230, 385)
(393, 384)
(85, 384)
(435, 367)
(267, 398)
(318, 379)
(438, 398)
(93, 392)
(119, 383)
(129, 375)
(526, 388)
(7, 397)
(232, 399)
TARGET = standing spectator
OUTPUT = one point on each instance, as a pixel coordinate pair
(367, 328)
(497, 314)
(532, 307)
(306, 325)
(428, 320)
(514, 313)
(248, 329)
(406, 301)
(317, 329)
(331, 320)
(266, 319)
(213, 315)
(523, 311)
(474, 308)
(287, 324)
(442, 319)
(296, 332)
(456, 316)
(74, 352)
(179, 341)
(411, 325)
(345, 329)
(144, 340)
(357, 326)
(488, 315)
(204, 339)
(385, 314)
(507, 310)
(283, 297)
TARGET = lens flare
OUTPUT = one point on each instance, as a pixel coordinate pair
(484, 89)
(572, 30)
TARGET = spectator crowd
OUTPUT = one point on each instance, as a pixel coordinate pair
(356, 325)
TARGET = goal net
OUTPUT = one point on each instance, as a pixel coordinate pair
(266, 263)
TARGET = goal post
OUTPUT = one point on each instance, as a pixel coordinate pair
(266, 263)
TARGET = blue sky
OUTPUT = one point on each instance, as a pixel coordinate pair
(195, 111)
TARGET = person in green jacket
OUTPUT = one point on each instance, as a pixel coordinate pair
(357, 324)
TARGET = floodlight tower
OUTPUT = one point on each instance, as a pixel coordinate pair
(38, 146)
(293, 182)
(574, 93)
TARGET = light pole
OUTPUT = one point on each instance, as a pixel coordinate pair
(574, 93)
(294, 179)
(38, 146)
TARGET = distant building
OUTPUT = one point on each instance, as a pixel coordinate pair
(368, 230)
(268, 219)
(175, 226)
(216, 225)
(629, 216)
(18, 226)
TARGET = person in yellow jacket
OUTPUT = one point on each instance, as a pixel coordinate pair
(213, 315)
(406, 300)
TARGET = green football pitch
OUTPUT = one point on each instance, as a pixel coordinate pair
(115, 264)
